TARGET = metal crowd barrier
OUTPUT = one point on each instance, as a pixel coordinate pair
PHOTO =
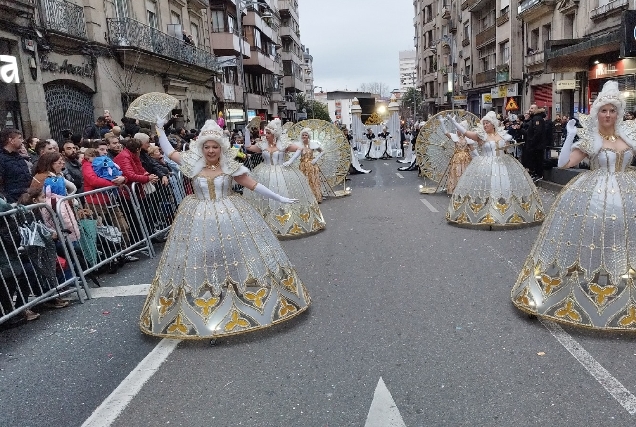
(95, 230)
(159, 207)
(111, 228)
(35, 264)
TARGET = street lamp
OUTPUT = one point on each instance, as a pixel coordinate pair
(313, 100)
(242, 5)
(446, 38)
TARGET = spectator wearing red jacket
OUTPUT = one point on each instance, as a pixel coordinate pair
(102, 204)
(129, 162)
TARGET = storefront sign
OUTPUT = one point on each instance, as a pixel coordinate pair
(460, 99)
(503, 91)
(9, 71)
(486, 100)
(566, 84)
(85, 70)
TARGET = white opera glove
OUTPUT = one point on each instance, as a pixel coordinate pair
(297, 154)
(246, 141)
(474, 153)
(459, 127)
(266, 192)
(443, 124)
(313, 162)
(165, 145)
(564, 156)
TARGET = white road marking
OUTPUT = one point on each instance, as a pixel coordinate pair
(429, 206)
(120, 291)
(604, 378)
(386, 163)
(609, 383)
(383, 411)
(114, 405)
(400, 175)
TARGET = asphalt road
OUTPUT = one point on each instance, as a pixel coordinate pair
(397, 294)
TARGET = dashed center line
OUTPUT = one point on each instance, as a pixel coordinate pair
(429, 206)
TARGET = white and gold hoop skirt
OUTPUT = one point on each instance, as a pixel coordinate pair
(285, 220)
(495, 191)
(581, 268)
(222, 271)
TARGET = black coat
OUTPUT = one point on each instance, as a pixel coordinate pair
(15, 177)
(536, 137)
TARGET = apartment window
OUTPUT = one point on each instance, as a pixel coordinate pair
(175, 18)
(467, 67)
(504, 52)
(232, 26)
(568, 26)
(194, 32)
(486, 18)
(546, 35)
(504, 6)
(466, 31)
(257, 39)
(151, 14)
(487, 57)
(218, 22)
(534, 40)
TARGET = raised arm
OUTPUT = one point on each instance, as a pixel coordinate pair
(443, 125)
(465, 132)
(165, 145)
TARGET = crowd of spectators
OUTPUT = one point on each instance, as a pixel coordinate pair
(105, 154)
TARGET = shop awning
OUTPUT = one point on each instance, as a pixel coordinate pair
(563, 56)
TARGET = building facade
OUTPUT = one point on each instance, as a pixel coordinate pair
(252, 67)
(78, 58)
(408, 71)
(505, 55)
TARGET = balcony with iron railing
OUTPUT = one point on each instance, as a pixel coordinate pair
(129, 34)
(530, 10)
(612, 7)
(64, 17)
(486, 36)
(486, 77)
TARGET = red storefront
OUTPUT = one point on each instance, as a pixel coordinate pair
(623, 71)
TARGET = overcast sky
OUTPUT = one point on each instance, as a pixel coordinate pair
(356, 41)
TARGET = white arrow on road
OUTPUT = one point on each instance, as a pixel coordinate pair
(383, 411)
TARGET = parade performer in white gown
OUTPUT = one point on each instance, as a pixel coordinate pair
(222, 271)
(282, 177)
(581, 268)
(494, 191)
